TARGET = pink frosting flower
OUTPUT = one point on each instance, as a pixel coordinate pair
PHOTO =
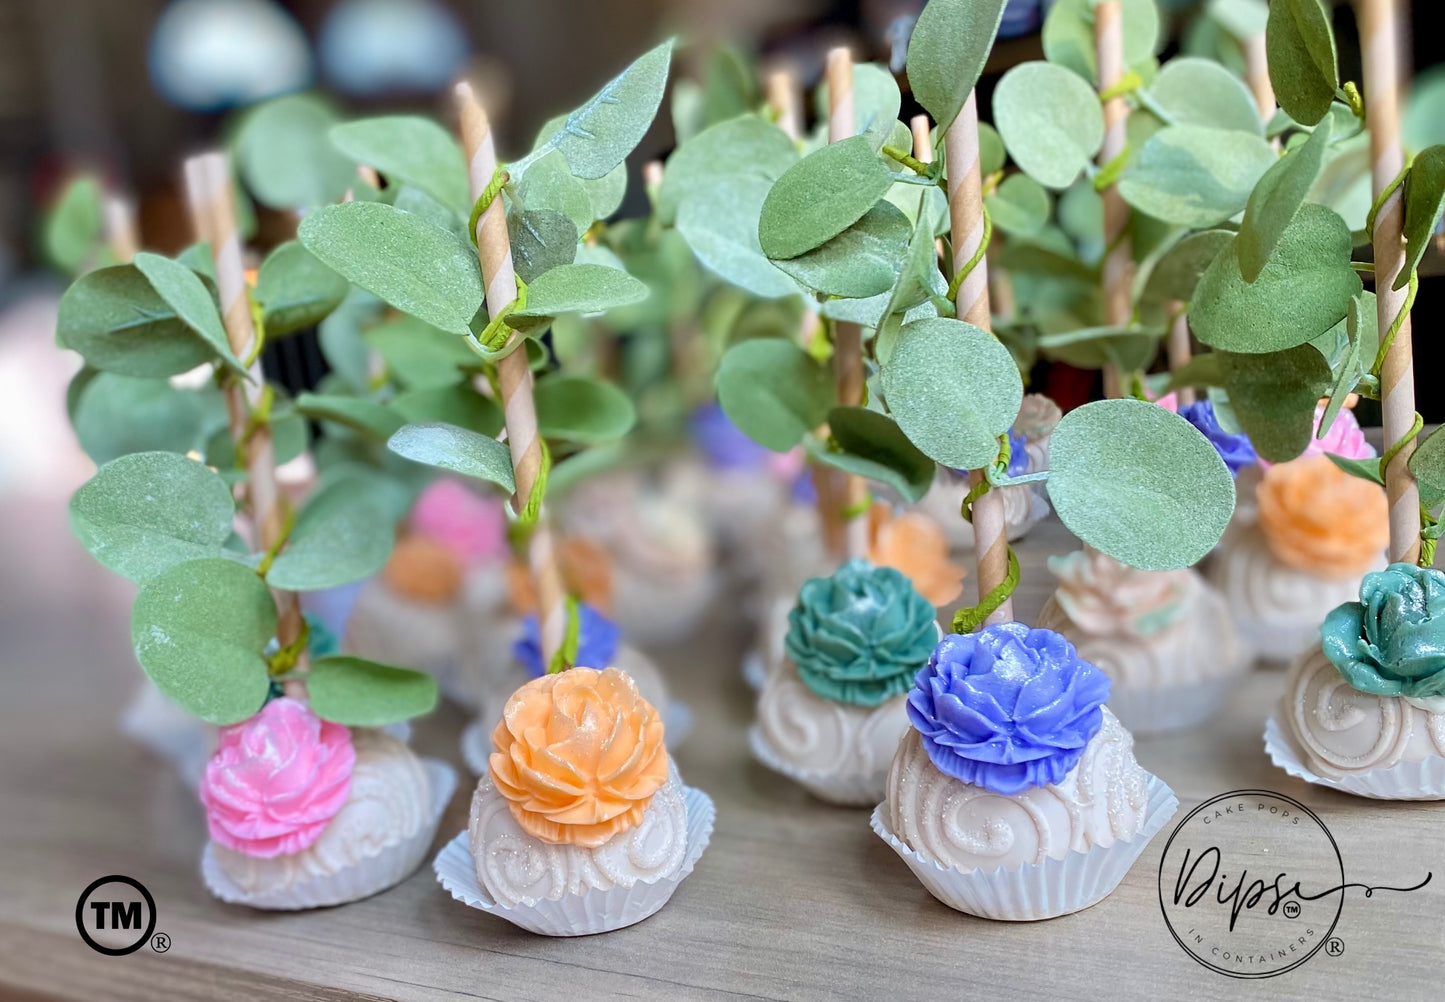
(471, 526)
(277, 780)
(1344, 439)
(1169, 401)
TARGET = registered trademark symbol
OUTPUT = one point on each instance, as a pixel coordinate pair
(160, 942)
(1291, 909)
(1334, 946)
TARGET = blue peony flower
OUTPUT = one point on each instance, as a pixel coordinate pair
(722, 443)
(1392, 641)
(597, 640)
(1007, 708)
(1235, 450)
(1018, 454)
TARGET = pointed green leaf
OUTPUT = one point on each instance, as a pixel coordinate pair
(1195, 176)
(72, 229)
(342, 535)
(1139, 483)
(199, 630)
(582, 409)
(448, 447)
(1365, 469)
(1050, 120)
(774, 391)
(1274, 397)
(821, 196)
(184, 292)
(947, 52)
(1276, 198)
(1177, 272)
(542, 239)
(550, 185)
(295, 290)
(864, 260)
(1424, 205)
(1427, 462)
(285, 158)
(581, 288)
(871, 445)
(119, 323)
(1348, 348)
(361, 693)
(411, 150)
(1300, 45)
(357, 413)
(720, 224)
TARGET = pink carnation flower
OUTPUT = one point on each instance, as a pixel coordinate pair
(471, 526)
(277, 780)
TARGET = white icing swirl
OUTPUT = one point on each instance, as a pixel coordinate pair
(966, 827)
(820, 735)
(1342, 730)
(388, 802)
(516, 867)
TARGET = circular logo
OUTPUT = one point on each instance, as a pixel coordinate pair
(116, 915)
(1251, 884)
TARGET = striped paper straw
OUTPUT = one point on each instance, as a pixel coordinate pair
(965, 212)
(785, 98)
(1119, 262)
(118, 214)
(1379, 37)
(494, 251)
(1256, 67)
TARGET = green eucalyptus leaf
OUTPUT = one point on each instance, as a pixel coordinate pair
(417, 202)
(744, 149)
(1021, 206)
(550, 185)
(199, 630)
(864, 260)
(1365, 469)
(947, 52)
(341, 342)
(1360, 334)
(72, 230)
(1423, 123)
(290, 437)
(774, 391)
(342, 535)
(357, 413)
(1274, 397)
(953, 389)
(185, 293)
(284, 156)
(1195, 176)
(869, 444)
(142, 514)
(1300, 46)
(1427, 462)
(1424, 205)
(720, 224)
(991, 155)
(1131, 349)
(863, 312)
(821, 196)
(360, 693)
(582, 409)
(295, 290)
(1276, 199)
(1304, 289)
(1139, 483)
(1177, 272)
(581, 288)
(119, 323)
(1202, 92)
(458, 405)
(118, 415)
(459, 450)
(1068, 35)
(876, 102)
(411, 150)
(409, 263)
(542, 239)
(1050, 121)
(419, 355)
(198, 258)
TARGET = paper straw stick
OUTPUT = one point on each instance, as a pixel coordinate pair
(494, 252)
(785, 97)
(118, 215)
(1379, 38)
(1256, 64)
(965, 212)
(847, 337)
(1180, 349)
(1119, 259)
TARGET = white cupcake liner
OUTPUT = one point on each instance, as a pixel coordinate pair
(476, 743)
(1036, 891)
(389, 867)
(755, 670)
(1423, 780)
(1170, 708)
(842, 789)
(592, 911)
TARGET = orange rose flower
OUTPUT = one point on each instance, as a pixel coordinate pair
(1320, 519)
(586, 574)
(423, 570)
(579, 756)
(915, 546)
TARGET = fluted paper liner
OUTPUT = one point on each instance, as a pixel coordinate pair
(1170, 708)
(1424, 780)
(1036, 891)
(392, 865)
(593, 910)
(844, 789)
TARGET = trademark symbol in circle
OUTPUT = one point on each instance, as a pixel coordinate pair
(116, 915)
(1291, 909)
(1334, 946)
(160, 942)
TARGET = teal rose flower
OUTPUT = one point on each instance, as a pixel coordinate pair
(1392, 641)
(860, 635)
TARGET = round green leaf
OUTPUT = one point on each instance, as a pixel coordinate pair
(953, 389)
(119, 323)
(1021, 206)
(991, 157)
(409, 149)
(199, 630)
(862, 261)
(1068, 35)
(1300, 48)
(1274, 397)
(1276, 199)
(821, 196)
(720, 224)
(459, 450)
(144, 513)
(118, 415)
(1139, 483)
(284, 157)
(749, 146)
(774, 391)
(1050, 120)
(342, 535)
(185, 293)
(361, 693)
(582, 409)
(871, 445)
(295, 290)
(418, 355)
(1202, 92)
(1177, 272)
(458, 404)
(542, 239)
(1427, 462)
(1195, 176)
(947, 52)
(1424, 205)
(71, 231)
(550, 185)
(581, 288)
(1304, 289)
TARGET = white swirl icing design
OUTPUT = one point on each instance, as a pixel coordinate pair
(516, 867)
(816, 734)
(966, 827)
(1342, 730)
(388, 802)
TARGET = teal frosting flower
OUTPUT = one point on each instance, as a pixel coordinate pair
(1392, 641)
(860, 635)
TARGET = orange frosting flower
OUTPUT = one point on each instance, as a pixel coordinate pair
(1320, 519)
(915, 546)
(586, 574)
(579, 756)
(423, 570)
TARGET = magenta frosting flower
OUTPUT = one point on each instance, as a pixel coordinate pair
(277, 780)
(1007, 708)
(471, 526)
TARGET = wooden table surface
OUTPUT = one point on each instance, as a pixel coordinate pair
(792, 900)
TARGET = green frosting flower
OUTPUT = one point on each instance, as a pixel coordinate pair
(1392, 641)
(860, 635)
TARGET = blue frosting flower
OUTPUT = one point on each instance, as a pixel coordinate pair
(1392, 641)
(1235, 450)
(597, 639)
(722, 443)
(1018, 454)
(1007, 708)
